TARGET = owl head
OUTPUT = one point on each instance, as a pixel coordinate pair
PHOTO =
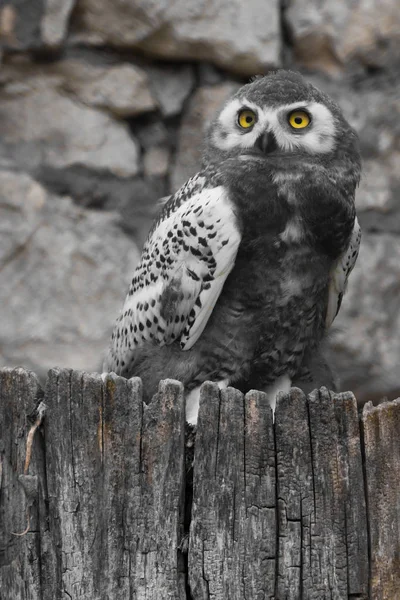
(281, 117)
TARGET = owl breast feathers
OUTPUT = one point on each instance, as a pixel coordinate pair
(245, 268)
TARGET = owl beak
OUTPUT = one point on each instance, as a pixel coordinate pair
(266, 142)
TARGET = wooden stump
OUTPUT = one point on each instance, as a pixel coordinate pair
(22, 511)
(285, 510)
(382, 467)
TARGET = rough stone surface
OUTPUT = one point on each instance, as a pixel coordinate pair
(63, 274)
(122, 89)
(156, 162)
(379, 132)
(242, 37)
(201, 110)
(171, 86)
(209, 74)
(153, 133)
(41, 125)
(33, 24)
(55, 21)
(331, 35)
(134, 199)
(365, 338)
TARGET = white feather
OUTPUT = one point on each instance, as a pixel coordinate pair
(340, 274)
(282, 384)
(193, 402)
(186, 259)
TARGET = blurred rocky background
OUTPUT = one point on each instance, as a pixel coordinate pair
(103, 106)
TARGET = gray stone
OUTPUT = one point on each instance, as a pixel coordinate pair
(375, 192)
(140, 206)
(201, 110)
(55, 21)
(171, 86)
(152, 133)
(365, 341)
(208, 74)
(374, 112)
(41, 125)
(383, 222)
(64, 271)
(242, 37)
(329, 36)
(32, 24)
(135, 200)
(122, 89)
(156, 162)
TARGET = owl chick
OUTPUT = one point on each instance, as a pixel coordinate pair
(244, 270)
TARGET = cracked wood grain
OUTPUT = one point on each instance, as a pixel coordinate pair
(279, 510)
(232, 549)
(21, 496)
(323, 546)
(382, 467)
(114, 486)
(158, 522)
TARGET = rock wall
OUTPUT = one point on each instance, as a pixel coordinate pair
(103, 106)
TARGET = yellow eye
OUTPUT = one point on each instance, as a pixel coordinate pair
(247, 118)
(299, 119)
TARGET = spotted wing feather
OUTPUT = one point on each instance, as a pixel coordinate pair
(185, 262)
(340, 274)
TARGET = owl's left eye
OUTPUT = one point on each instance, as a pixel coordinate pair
(246, 118)
(299, 119)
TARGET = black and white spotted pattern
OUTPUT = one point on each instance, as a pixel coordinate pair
(192, 186)
(340, 274)
(185, 262)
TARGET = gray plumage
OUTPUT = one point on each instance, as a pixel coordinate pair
(246, 266)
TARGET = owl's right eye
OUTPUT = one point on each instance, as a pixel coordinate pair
(299, 119)
(246, 118)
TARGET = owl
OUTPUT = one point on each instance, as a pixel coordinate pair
(245, 267)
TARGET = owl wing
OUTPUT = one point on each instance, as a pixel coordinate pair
(340, 274)
(185, 262)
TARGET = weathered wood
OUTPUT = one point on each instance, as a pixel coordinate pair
(20, 560)
(159, 521)
(115, 487)
(323, 547)
(382, 467)
(295, 495)
(232, 550)
(279, 509)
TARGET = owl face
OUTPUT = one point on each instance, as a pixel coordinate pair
(279, 114)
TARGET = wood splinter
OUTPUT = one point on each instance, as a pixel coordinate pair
(41, 411)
